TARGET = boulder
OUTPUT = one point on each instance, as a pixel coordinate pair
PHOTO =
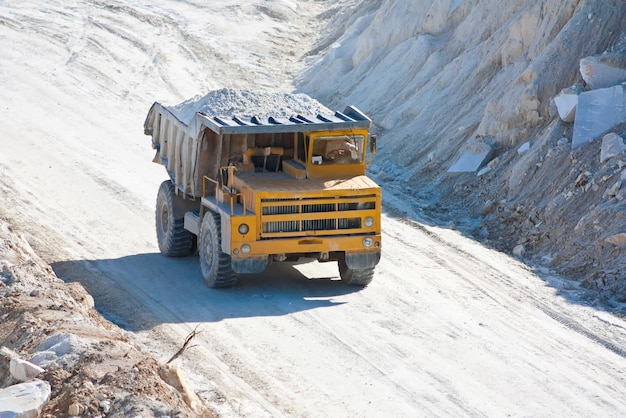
(24, 400)
(604, 70)
(566, 102)
(612, 145)
(566, 106)
(23, 370)
(519, 250)
(597, 113)
(523, 148)
(7, 353)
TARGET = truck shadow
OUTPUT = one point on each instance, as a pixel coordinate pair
(138, 292)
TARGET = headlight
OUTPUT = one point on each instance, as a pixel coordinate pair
(245, 248)
(367, 242)
(243, 229)
(369, 222)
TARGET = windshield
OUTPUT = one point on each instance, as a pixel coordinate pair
(344, 149)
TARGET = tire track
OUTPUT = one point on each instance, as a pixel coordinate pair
(515, 290)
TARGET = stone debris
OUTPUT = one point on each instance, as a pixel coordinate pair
(23, 370)
(612, 146)
(487, 207)
(7, 353)
(245, 103)
(617, 239)
(613, 191)
(523, 148)
(563, 141)
(472, 159)
(69, 364)
(75, 409)
(583, 179)
(604, 70)
(519, 250)
(24, 400)
(598, 112)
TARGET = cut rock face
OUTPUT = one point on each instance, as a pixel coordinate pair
(597, 113)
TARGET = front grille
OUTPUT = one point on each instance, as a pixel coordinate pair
(315, 216)
(319, 225)
(280, 226)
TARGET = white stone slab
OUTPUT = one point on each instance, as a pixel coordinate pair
(473, 157)
(469, 162)
(602, 71)
(597, 113)
(24, 400)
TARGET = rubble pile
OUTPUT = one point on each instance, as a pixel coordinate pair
(59, 357)
(565, 201)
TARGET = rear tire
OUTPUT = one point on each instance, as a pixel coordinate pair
(216, 268)
(355, 277)
(174, 240)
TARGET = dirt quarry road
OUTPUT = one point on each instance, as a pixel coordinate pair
(447, 328)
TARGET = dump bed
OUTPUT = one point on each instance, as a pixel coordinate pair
(194, 139)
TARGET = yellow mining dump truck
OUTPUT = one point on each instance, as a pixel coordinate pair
(248, 190)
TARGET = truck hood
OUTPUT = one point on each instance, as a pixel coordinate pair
(281, 182)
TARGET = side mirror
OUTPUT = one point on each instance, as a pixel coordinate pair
(372, 150)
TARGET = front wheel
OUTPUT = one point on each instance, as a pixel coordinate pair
(216, 268)
(355, 277)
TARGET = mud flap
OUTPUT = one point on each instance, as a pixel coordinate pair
(249, 265)
(360, 261)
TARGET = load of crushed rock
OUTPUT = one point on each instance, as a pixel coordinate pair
(246, 104)
(59, 357)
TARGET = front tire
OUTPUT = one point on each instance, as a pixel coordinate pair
(216, 268)
(174, 240)
(355, 277)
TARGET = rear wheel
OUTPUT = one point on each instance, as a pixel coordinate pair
(216, 268)
(355, 277)
(174, 240)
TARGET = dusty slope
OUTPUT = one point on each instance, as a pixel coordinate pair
(445, 75)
